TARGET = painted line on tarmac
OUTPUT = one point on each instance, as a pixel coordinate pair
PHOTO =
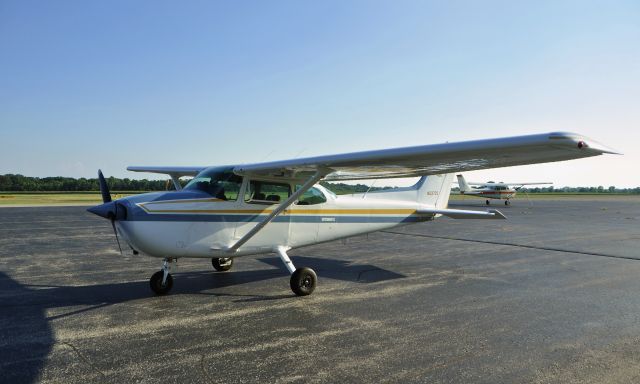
(515, 245)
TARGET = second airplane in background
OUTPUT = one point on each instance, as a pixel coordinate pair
(492, 190)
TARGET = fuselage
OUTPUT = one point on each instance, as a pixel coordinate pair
(194, 224)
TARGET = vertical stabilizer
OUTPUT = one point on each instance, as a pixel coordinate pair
(434, 190)
(462, 183)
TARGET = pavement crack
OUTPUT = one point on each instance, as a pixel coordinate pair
(515, 245)
(84, 359)
(203, 368)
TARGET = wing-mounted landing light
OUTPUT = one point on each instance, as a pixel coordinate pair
(111, 210)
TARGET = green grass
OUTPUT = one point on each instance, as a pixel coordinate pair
(53, 198)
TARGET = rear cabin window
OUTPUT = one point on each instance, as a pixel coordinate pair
(311, 197)
(266, 192)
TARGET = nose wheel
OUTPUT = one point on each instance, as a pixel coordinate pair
(506, 202)
(488, 202)
(161, 282)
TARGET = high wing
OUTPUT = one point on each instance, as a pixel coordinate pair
(171, 171)
(434, 159)
(174, 172)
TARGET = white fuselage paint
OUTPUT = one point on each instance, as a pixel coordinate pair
(220, 224)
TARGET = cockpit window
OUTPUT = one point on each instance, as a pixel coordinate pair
(311, 196)
(219, 183)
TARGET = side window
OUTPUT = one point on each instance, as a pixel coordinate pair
(311, 197)
(266, 192)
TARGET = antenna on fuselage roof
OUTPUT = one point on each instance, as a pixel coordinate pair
(299, 153)
(267, 156)
(370, 186)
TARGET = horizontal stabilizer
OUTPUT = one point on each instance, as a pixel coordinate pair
(465, 214)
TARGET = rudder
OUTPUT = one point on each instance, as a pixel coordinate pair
(462, 183)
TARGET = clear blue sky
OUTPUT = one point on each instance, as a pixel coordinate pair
(87, 84)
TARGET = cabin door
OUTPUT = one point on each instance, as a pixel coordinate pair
(260, 198)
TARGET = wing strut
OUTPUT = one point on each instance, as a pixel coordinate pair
(176, 182)
(284, 205)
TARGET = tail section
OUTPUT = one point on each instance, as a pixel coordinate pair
(462, 183)
(434, 190)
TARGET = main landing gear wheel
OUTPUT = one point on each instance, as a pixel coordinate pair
(222, 264)
(158, 286)
(488, 202)
(506, 202)
(303, 281)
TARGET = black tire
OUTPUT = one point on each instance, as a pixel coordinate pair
(506, 202)
(222, 264)
(488, 202)
(156, 283)
(303, 281)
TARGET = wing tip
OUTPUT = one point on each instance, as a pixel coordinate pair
(582, 143)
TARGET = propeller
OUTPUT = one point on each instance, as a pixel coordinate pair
(104, 188)
(111, 210)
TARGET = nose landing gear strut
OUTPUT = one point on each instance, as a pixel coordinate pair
(161, 282)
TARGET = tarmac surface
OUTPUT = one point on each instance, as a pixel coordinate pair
(551, 295)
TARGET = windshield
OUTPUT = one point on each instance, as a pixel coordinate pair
(220, 183)
(311, 197)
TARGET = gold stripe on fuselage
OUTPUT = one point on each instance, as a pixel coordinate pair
(294, 211)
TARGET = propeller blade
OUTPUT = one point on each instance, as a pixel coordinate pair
(104, 188)
(109, 209)
(115, 231)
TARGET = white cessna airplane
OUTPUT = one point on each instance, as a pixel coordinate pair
(230, 211)
(492, 190)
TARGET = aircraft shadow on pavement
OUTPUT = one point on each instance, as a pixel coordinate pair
(337, 269)
(25, 334)
(27, 337)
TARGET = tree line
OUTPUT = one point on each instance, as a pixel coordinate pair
(20, 183)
